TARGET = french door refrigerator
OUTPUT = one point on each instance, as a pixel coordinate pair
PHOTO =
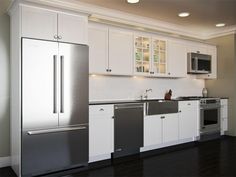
(54, 106)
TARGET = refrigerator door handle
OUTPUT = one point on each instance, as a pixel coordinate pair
(54, 84)
(62, 85)
(55, 130)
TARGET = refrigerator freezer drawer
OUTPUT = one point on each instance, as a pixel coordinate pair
(59, 150)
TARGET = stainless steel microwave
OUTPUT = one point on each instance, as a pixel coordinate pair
(199, 63)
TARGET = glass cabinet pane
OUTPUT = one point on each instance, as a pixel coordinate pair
(142, 54)
(159, 56)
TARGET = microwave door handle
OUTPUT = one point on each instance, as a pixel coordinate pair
(196, 63)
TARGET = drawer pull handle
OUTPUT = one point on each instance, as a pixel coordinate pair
(162, 117)
(189, 104)
(101, 109)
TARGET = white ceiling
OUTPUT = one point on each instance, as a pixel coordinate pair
(204, 13)
(4, 5)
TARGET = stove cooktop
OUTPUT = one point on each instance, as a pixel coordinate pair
(195, 97)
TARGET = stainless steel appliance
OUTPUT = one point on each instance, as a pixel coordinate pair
(54, 106)
(209, 115)
(199, 63)
(128, 129)
(161, 107)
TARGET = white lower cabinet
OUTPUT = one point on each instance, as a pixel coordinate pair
(101, 132)
(188, 118)
(152, 130)
(159, 129)
(224, 115)
(170, 127)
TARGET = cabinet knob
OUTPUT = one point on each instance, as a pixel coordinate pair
(110, 70)
(55, 37)
(180, 111)
(168, 73)
(107, 70)
(162, 117)
(59, 37)
(101, 109)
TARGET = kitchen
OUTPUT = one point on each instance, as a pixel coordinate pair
(130, 64)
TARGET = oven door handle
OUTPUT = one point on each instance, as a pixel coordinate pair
(213, 107)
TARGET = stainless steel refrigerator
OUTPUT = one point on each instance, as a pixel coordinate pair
(54, 106)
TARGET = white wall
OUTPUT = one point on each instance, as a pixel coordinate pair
(112, 87)
(4, 86)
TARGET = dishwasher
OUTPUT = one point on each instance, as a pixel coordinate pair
(128, 129)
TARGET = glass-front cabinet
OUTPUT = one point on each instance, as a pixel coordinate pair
(159, 62)
(150, 56)
(142, 54)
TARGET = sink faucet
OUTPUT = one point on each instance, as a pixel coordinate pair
(146, 93)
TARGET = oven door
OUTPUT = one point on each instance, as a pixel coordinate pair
(209, 118)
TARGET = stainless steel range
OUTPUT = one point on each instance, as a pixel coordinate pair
(209, 116)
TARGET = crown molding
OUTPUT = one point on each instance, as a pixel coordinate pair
(221, 32)
(115, 17)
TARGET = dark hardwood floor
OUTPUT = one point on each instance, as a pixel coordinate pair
(213, 158)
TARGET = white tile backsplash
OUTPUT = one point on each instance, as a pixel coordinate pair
(116, 87)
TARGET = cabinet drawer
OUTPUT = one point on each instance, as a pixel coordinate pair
(187, 103)
(223, 101)
(101, 110)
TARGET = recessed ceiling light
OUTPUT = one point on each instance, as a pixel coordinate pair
(220, 25)
(132, 1)
(184, 14)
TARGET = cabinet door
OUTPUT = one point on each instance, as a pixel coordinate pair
(98, 50)
(213, 52)
(39, 23)
(152, 130)
(120, 52)
(224, 116)
(188, 119)
(159, 57)
(177, 59)
(170, 127)
(100, 135)
(72, 28)
(142, 55)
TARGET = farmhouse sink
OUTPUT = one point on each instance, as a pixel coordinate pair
(154, 107)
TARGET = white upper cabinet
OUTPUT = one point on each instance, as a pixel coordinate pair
(73, 28)
(142, 58)
(49, 25)
(210, 50)
(39, 23)
(110, 51)
(177, 59)
(150, 56)
(98, 50)
(120, 52)
(188, 119)
(159, 57)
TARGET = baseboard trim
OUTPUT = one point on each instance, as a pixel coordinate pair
(5, 161)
